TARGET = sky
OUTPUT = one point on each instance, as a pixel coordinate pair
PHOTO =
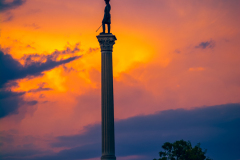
(176, 76)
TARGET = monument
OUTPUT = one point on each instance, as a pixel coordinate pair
(107, 40)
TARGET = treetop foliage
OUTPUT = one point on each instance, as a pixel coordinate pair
(182, 150)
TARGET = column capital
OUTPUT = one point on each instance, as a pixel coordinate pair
(106, 41)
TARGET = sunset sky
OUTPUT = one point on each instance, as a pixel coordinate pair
(176, 69)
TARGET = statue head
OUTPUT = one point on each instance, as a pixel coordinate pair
(106, 1)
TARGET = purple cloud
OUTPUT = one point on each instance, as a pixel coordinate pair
(215, 127)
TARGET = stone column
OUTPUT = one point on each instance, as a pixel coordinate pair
(108, 140)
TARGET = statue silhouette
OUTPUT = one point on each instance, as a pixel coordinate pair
(107, 17)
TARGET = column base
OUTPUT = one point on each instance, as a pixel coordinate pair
(108, 157)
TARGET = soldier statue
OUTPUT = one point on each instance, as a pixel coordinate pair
(107, 17)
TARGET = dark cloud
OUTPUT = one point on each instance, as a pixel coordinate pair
(80, 152)
(92, 134)
(40, 88)
(90, 50)
(216, 128)
(11, 69)
(207, 44)
(6, 94)
(11, 101)
(68, 69)
(20, 153)
(53, 56)
(4, 5)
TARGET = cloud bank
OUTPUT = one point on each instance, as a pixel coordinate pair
(215, 127)
(11, 69)
(10, 5)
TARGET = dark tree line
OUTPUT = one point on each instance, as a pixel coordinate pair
(182, 150)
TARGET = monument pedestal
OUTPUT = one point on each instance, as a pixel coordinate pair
(108, 139)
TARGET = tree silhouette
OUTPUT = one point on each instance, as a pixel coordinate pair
(182, 150)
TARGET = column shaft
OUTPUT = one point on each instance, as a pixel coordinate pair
(108, 140)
